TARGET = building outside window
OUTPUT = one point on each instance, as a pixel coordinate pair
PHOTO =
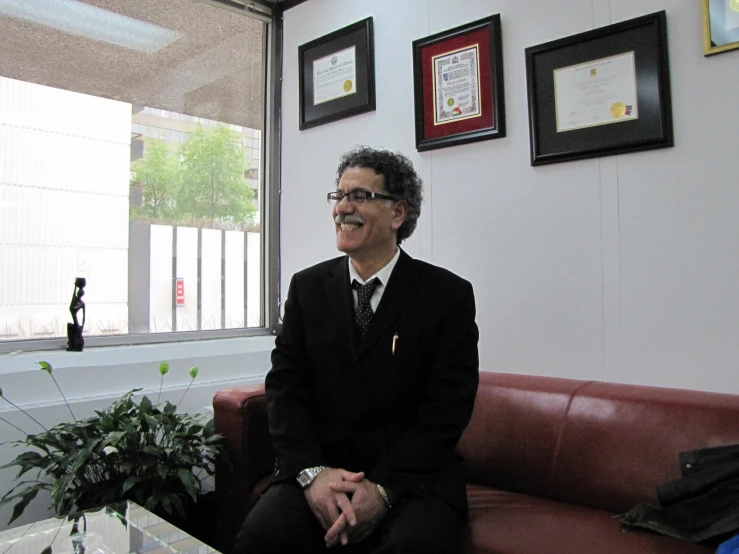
(131, 154)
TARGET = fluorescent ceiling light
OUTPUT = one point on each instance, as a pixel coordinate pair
(83, 20)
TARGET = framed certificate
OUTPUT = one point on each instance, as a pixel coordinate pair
(599, 93)
(458, 85)
(337, 75)
(720, 26)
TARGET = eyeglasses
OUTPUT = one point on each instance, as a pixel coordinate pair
(357, 196)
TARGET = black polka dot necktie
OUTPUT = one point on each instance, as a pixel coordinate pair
(364, 311)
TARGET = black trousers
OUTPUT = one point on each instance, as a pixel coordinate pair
(281, 521)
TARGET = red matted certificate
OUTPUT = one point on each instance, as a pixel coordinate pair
(457, 85)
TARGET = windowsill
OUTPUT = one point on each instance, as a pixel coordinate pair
(103, 356)
(108, 372)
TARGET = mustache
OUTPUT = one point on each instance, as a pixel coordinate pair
(349, 218)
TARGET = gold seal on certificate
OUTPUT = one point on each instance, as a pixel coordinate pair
(619, 109)
(596, 93)
(456, 85)
(334, 76)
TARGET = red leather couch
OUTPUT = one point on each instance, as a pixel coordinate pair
(549, 461)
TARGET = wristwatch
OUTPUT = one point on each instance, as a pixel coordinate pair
(306, 477)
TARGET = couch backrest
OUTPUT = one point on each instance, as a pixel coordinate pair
(602, 445)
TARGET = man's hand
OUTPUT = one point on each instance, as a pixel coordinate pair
(324, 502)
(368, 509)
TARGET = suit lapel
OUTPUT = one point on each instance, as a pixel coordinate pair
(339, 294)
(398, 292)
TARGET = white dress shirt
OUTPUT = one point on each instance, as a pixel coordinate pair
(383, 275)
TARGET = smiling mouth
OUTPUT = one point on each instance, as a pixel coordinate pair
(350, 226)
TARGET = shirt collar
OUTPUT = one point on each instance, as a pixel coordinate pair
(383, 275)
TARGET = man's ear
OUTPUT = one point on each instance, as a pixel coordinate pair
(400, 211)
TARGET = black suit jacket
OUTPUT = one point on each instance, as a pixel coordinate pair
(337, 401)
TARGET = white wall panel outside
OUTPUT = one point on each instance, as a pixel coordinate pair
(234, 275)
(210, 279)
(254, 287)
(187, 269)
(63, 208)
(160, 302)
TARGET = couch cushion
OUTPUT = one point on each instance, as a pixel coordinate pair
(620, 441)
(511, 523)
(512, 438)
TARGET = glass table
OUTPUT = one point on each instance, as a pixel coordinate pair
(123, 528)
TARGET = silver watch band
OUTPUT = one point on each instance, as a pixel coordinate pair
(384, 495)
(306, 477)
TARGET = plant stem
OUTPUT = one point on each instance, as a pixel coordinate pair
(183, 396)
(13, 425)
(64, 397)
(161, 384)
(24, 412)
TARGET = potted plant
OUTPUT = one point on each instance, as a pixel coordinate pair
(139, 451)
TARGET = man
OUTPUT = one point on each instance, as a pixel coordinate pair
(373, 380)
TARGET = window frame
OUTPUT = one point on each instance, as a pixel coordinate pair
(269, 206)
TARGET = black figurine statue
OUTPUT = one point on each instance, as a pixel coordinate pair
(75, 342)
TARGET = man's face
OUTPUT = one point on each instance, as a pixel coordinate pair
(365, 230)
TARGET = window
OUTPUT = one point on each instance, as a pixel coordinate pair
(128, 161)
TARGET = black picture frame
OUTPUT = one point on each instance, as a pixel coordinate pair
(646, 37)
(358, 35)
(490, 66)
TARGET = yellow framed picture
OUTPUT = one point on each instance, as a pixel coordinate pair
(720, 26)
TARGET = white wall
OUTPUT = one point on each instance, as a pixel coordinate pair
(620, 269)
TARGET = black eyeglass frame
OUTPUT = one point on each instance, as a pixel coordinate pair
(336, 196)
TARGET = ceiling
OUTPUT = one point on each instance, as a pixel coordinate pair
(214, 69)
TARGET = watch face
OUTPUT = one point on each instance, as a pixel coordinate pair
(305, 478)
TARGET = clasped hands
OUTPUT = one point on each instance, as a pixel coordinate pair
(348, 506)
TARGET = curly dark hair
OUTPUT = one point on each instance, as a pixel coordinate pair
(400, 180)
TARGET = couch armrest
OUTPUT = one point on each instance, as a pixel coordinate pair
(240, 415)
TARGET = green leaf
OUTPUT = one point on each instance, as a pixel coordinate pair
(59, 491)
(151, 502)
(1, 391)
(130, 482)
(116, 437)
(178, 505)
(145, 404)
(191, 484)
(45, 366)
(164, 368)
(167, 504)
(9, 496)
(194, 372)
(81, 457)
(28, 457)
(21, 505)
(151, 421)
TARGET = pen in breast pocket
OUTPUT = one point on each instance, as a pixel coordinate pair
(395, 340)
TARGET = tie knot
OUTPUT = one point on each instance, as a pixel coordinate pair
(365, 292)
